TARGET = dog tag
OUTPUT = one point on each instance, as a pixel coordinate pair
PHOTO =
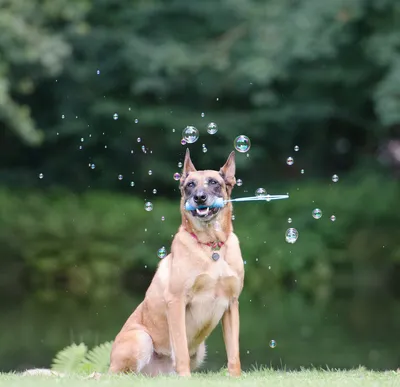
(215, 256)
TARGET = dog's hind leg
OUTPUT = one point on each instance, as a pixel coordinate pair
(198, 358)
(131, 351)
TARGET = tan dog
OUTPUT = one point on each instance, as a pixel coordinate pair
(195, 286)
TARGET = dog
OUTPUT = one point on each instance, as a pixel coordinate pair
(195, 287)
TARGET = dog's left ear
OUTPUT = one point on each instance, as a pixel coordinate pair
(228, 171)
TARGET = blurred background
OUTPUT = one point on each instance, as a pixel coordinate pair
(94, 96)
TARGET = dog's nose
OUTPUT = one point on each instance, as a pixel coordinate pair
(200, 197)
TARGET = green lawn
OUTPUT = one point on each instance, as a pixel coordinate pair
(359, 377)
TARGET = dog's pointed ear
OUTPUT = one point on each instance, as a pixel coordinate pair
(187, 166)
(228, 170)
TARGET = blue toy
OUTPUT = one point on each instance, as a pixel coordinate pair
(220, 202)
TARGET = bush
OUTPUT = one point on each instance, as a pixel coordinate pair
(90, 242)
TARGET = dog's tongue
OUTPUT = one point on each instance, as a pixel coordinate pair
(202, 211)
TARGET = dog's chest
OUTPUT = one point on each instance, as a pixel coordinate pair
(209, 298)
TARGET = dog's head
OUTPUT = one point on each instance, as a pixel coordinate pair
(202, 188)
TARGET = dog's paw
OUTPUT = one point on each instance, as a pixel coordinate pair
(185, 374)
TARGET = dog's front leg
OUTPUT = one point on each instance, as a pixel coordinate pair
(177, 332)
(230, 328)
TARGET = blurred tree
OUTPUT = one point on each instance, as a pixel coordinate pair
(284, 72)
(111, 84)
(32, 49)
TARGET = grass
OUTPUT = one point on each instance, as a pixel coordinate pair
(359, 377)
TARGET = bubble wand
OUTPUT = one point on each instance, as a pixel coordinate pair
(220, 202)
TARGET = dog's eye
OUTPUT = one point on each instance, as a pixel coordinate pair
(212, 182)
(191, 184)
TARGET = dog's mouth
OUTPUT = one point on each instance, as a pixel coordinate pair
(204, 212)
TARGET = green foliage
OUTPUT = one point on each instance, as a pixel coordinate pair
(282, 72)
(69, 359)
(98, 359)
(33, 48)
(92, 241)
(76, 359)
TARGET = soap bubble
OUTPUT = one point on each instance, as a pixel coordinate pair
(190, 134)
(132, 183)
(204, 149)
(63, 116)
(148, 206)
(115, 116)
(291, 235)
(233, 217)
(333, 218)
(41, 175)
(154, 191)
(98, 72)
(162, 218)
(289, 161)
(177, 176)
(136, 120)
(289, 220)
(162, 252)
(317, 213)
(183, 141)
(150, 172)
(335, 178)
(242, 143)
(302, 171)
(93, 166)
(212, 128)
(272, 343)
(296, 148)
(120, 177)
(260, 191)
(180, 165)
(202, 115)
(139, 139)
(239, 182)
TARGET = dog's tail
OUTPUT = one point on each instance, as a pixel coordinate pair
(41, 372)
(49, 372)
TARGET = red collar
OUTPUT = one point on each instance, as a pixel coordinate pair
(214, 245)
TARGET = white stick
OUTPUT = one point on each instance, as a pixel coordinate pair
(254, 198)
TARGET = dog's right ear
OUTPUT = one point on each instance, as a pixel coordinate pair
(187, 167)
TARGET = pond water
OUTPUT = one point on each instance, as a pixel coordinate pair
(343, 332)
